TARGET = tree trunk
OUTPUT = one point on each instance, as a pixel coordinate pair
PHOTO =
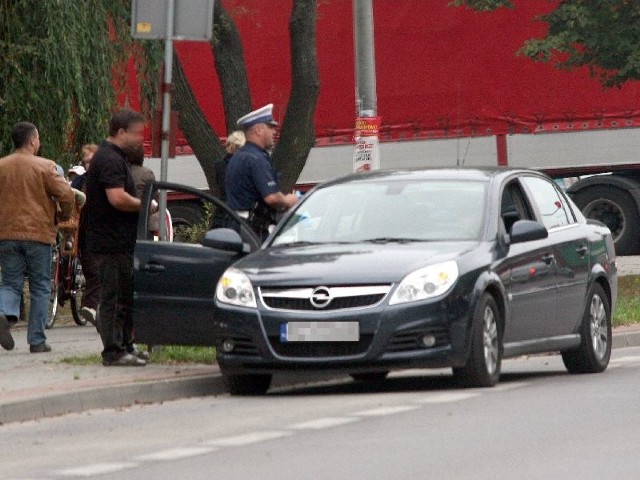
(297, 135)
(230, 66)
(204, 141)
(229, 60)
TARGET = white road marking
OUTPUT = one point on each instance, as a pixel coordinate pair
(447, 397)
(382, 411)
(247, 439)
(326, 422)
(175, 454)
(96, 469)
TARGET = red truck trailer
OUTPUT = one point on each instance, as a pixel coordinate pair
(452, 90)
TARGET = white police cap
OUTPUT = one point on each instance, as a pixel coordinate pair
(261, 115)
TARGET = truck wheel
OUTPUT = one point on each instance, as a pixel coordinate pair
(595, 349)
(185, 215)
(617, 210)
(247, 384)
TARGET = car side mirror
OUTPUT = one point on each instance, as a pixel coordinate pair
(223, 239)
(527, 231)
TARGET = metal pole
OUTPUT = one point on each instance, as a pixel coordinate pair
(366, 99)
(367, 153)
(166, 117)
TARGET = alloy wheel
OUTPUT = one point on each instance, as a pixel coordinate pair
(490, 340)
(598, 324)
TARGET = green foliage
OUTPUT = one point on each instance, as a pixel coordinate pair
(195, 233)
(628, 305)
(183, 354)
(603, 36)
(61, 62)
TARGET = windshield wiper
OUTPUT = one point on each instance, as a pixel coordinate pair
(393, 240)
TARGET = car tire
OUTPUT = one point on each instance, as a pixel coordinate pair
(595, 332)
(370, 377)
(244, 385)
(615, 208)
(485, 359)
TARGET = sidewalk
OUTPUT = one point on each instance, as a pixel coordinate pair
(40, 385)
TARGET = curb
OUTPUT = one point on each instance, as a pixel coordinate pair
(626, 339)
(162, 390)
(115, 396)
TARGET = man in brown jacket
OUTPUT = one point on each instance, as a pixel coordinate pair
(30, 187)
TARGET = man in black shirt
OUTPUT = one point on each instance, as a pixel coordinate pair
(112, 219)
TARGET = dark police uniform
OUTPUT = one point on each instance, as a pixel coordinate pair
(249, 178)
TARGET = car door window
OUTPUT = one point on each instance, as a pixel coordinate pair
(514, 206)
(551, 205)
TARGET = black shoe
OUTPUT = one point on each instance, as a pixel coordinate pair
(125, 360)
(42, 348)
(6, 340)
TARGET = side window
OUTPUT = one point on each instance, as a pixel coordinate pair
(514, 206)
(551, 205)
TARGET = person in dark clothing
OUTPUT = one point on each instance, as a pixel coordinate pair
(91, 294)
(234, 141)
(112, 218)
(251, 183)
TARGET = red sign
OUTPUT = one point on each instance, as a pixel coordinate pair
(367, 126)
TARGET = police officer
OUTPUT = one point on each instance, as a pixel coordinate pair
(251, 183)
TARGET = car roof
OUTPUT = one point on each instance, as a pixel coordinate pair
(459, 173)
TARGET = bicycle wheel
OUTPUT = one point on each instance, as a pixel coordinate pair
(77, 291)
(55, 284)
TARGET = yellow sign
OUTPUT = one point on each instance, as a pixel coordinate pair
(143, 27)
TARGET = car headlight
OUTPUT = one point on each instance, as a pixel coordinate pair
(235, 288)
(426, 283)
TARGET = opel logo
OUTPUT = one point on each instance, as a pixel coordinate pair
(320, 297)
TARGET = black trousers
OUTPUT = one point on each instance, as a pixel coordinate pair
(91, 294)
(115, 320)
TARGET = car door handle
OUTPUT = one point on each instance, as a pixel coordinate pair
(153, 268)
(548, 258)
(582, 250)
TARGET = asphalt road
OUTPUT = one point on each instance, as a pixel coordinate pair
(539, 422)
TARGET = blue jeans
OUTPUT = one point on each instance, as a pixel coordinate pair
(33, 259)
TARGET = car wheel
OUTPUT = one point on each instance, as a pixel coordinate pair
(595, 348)
(247, 384)
(370, 377)
(485, 359)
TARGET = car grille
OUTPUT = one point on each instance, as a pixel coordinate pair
(408, 340)
(321, 349)
(323, 298)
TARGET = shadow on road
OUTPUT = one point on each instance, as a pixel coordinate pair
(404, 383)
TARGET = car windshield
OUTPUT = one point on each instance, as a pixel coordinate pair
(388, 212)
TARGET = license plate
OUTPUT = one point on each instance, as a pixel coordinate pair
(319, 332)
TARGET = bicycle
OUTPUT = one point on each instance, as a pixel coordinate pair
(67, 279)
(67, 283)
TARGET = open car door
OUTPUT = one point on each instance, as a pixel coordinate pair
(175, 281)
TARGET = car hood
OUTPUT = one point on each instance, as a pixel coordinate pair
(339, 264)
